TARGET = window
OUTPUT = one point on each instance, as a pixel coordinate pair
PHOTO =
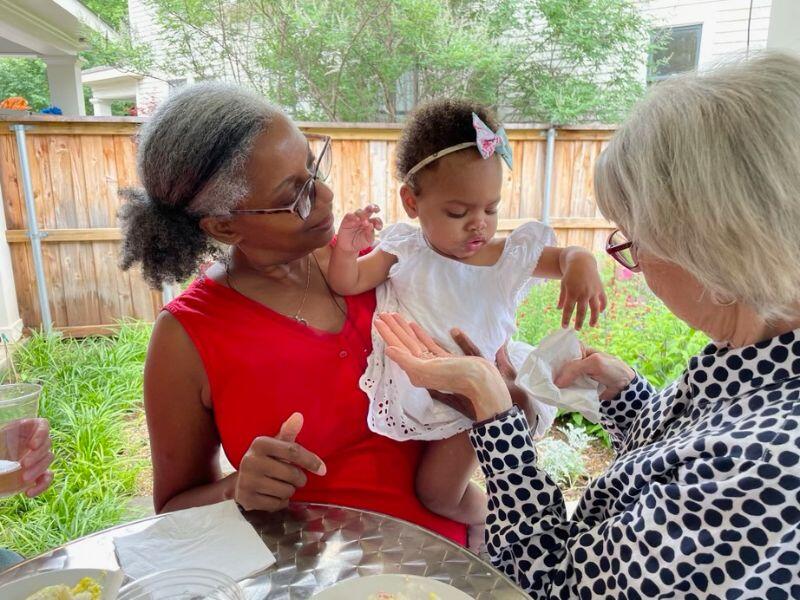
(679, 51)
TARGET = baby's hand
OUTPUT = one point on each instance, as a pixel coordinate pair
(357, 230)
(581, 288)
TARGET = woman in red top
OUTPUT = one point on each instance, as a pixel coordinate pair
(258, 355)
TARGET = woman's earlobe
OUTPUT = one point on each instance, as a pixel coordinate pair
(221, 229)
(409, 200)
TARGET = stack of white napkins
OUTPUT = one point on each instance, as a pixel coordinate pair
(215, 537)
(543, 363)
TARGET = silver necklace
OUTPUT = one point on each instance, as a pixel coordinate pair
(296, 315)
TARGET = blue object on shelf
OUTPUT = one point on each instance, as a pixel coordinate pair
(51, 110)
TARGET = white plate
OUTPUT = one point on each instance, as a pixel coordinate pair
(411, 586)
(26, 586)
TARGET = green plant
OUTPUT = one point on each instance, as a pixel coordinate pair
(92, 391)
(636, 327)
(560, 61)
(563, 460)
(26, 77)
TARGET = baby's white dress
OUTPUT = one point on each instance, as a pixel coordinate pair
(440, 293)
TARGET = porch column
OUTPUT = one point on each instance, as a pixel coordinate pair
(10, 322)
(66, 89)
(102, 108)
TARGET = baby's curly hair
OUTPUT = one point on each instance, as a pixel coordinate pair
(434, 126)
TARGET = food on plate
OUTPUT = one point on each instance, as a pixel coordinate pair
(86, 589)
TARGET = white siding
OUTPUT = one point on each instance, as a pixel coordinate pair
(150, 91)
(725, 24)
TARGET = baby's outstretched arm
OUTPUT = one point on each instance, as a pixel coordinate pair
(581, 287)
(348, 274)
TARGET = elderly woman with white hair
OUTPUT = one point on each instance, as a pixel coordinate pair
(702, 500)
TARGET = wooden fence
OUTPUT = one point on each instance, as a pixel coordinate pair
(78, 165)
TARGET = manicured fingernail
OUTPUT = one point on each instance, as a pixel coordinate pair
(322, 470)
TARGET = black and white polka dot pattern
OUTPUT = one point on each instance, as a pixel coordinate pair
(703, 500)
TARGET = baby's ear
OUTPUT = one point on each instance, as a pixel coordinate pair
(409, 200)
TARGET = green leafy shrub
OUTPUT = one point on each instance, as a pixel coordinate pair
(636, 327)
(563, 460)
(92, 395)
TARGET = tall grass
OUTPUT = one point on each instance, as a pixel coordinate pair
(92, 395)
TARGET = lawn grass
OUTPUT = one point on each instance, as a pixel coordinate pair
(92, 395)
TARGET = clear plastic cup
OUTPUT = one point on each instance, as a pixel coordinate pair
(183, 584)
(18, 401)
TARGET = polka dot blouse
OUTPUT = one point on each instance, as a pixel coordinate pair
(702, 501)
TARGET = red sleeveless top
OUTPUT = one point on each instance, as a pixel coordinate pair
(263, 366)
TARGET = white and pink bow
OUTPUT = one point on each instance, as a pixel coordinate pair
(490, 142)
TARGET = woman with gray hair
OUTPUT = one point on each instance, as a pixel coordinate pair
(258, 355)
(702, 500)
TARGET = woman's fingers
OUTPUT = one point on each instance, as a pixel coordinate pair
(570, 372)
(290, 452)
(402, 332)
(275, 488)
(398, 332)
(428, 341)
(291, 428)
(35, 455)
(503, 362)
(266, 468)
(40, 485)
(33, 470)
(465, 343)
(406, 361)
(252, 500)
(387, 333)
(608, 370)
(377, 223)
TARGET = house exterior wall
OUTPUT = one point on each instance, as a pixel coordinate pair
(725, 24)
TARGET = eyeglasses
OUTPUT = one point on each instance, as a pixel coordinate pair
(307, 196)
(622, 250)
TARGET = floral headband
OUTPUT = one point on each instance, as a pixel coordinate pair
(487, 141)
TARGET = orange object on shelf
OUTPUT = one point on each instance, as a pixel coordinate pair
(15, 103)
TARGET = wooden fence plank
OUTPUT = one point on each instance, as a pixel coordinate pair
(10, 186)
(41, 181)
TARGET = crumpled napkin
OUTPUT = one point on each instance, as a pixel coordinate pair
(536, 376)
(215, 537)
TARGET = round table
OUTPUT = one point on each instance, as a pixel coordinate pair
(315, 546)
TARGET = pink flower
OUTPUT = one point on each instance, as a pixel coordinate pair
(623, 274)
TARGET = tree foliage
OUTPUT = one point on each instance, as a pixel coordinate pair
(26, 77)
(360, 60)
(558, 61)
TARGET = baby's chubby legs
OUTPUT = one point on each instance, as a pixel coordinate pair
(444, 486)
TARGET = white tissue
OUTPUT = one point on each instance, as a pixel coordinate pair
(536, 376)
(215, 537)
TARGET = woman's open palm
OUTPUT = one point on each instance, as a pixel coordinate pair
(426, 363)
